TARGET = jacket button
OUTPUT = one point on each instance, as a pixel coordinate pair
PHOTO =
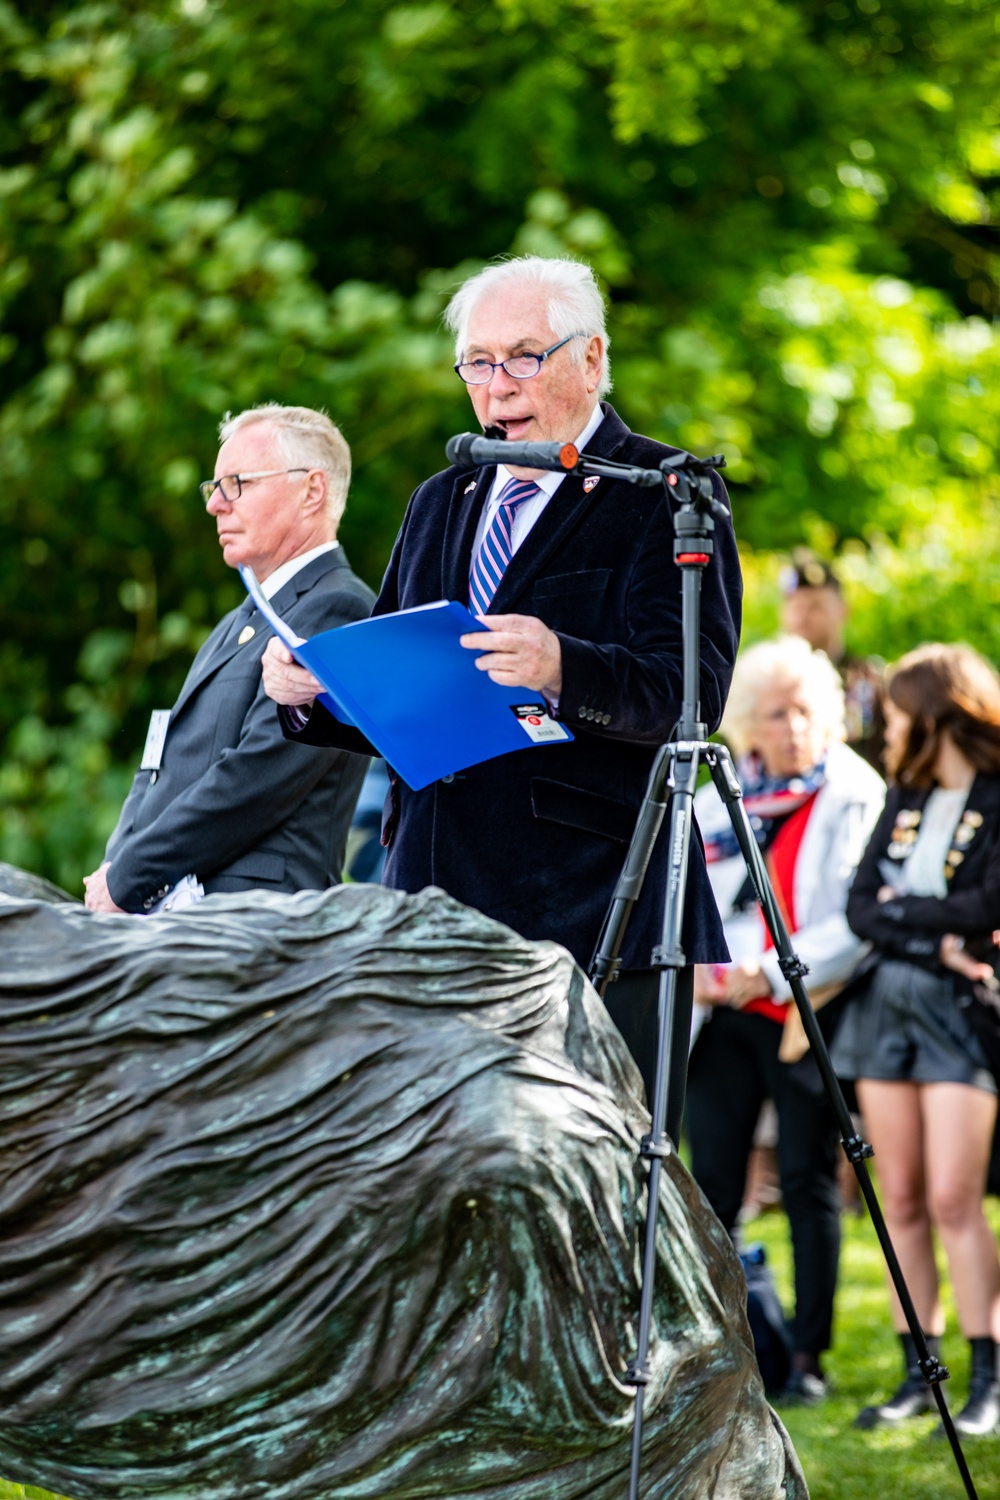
(147, 903)
(450, 777)
(582, 712)
(591, 714)
(606, 719)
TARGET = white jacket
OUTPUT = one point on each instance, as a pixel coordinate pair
(845, 811)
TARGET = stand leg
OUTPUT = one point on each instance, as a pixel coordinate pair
(633, 1002)
(669, 957)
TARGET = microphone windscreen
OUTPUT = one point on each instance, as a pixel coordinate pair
(459, 450)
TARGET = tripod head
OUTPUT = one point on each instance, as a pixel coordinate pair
(690, 480)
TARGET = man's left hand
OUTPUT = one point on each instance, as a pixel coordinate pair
(98, 896)
(519, 651)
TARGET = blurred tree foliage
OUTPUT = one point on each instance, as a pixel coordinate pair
(792, 206)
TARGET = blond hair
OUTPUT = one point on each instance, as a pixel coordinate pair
(305, 438)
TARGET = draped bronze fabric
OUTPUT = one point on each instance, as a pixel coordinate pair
(333, 1196)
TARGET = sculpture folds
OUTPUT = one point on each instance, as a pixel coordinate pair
(332, 1197)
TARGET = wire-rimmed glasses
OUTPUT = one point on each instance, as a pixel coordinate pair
(520, 366)
(230, 486)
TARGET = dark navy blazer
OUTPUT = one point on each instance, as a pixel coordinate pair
(537, 838)
(234, 803)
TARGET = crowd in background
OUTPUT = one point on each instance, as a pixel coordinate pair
(892, 898)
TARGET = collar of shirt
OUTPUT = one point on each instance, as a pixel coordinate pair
(528, 513)
(277, 580)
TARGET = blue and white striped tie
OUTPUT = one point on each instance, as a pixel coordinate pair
(496, 548)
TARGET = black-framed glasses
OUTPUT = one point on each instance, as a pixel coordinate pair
(230, 486)
(520, 366)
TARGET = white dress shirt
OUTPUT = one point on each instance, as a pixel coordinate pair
(277, 580)
(923, 874)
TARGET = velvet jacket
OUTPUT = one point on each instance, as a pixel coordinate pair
(537, 838)
(911, 927)
(233, 802)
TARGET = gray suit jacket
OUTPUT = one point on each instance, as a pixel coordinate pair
(234, 802)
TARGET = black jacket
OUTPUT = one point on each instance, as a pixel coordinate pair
(234, 802)
(911, 927)
(537, 838)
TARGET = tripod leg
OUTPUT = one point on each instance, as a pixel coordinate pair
(605, 964)
(857, 1151)
(632, 1002)
(669, 956)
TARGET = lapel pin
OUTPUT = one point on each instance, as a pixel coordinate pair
(590, 482)
(470, 486)
(246, 634)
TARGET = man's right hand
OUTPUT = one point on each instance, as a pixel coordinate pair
(284, 680)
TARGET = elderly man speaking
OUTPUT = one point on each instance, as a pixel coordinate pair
(221, 796)
(580, 601)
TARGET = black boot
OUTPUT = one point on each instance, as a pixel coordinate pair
(981, 1413)
(913, 1397)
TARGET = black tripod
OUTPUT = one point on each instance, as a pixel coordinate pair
(672, 782)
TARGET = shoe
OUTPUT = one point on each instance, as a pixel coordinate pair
(981, 1413)
(802, 1388)
(912, 1399)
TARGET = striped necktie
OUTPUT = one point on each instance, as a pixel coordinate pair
(496, 548)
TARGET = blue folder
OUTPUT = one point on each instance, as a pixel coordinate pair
(414, 692)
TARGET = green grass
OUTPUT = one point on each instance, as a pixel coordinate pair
(840, 1462)
(23, 1492)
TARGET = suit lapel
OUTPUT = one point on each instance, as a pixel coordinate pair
(467, 501)
(220, 646)
(224, 642)
(558, 521)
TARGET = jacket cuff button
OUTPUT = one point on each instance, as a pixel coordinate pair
(582, 713)
(606, 719)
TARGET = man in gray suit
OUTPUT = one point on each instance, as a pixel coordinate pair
(221, 795)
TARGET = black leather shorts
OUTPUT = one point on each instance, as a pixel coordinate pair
(908, 1025)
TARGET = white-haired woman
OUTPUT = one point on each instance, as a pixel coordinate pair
(812, 803)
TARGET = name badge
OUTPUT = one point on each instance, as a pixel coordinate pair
(156, 735)
(537, 723)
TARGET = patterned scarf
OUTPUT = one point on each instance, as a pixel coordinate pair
(768, 799)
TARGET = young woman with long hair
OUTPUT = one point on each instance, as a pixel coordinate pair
(928, 883)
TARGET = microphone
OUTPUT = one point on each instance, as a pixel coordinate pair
(469, 451)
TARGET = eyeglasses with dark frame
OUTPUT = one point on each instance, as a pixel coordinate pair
(519, 366)
(226, 483)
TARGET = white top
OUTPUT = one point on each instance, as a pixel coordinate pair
(277, 580)
(528, 513)
(845, 811)
(923, 874)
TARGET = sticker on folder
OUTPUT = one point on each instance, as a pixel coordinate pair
(389, 675)
(537, 723)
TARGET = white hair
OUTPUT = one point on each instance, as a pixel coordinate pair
(303, 437)
(792, 662)
(575, 304)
